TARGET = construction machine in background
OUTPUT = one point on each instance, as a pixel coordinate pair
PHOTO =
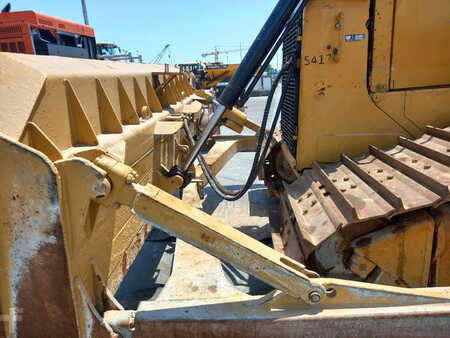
(209, 75)
(112, 52)
(30, 32)
(93, 153)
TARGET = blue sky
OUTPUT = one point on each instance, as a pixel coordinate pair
(192, 27)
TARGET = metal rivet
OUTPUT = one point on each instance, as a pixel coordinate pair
(315, 297)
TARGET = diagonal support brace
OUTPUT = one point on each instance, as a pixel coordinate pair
(207, 233)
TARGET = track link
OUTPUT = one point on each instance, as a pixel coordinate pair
(357, 196)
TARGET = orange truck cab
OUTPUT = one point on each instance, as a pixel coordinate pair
(29, 32)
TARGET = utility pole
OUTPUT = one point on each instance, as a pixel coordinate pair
(85, 13)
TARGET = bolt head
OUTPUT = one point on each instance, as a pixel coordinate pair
(314, 297)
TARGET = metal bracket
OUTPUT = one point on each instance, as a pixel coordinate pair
(211, 235)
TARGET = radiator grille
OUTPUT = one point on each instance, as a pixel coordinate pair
(289, 108)
(11, 29)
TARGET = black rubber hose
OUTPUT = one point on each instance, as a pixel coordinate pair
(293, 21)
(231, 195)
(260, 48)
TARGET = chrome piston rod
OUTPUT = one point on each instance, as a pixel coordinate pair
(220, 111)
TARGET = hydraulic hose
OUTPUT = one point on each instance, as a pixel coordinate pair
(260, 154)
(258, 51)
(293, 20)
(261, 47)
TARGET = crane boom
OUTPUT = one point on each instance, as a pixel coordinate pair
(158, 57)
(217, 52)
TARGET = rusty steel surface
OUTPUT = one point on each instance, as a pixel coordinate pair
(380, 185)
(35, 279)
(360, 215)
(367, 324)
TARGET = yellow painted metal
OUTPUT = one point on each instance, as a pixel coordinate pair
(241, 120)
(209, 75)
(73, 111)
(106, 137)
(217, 238)
(402, 251)
(361, 265)
(214, 74)
(421, 44)
(109, 183)
(163, 210)
(441, 258)
(382, 46)
(336, 112)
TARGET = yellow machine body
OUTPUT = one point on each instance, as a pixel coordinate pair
(210, 75)
(66, 108)
(216, 73)
(360, 87)
(371, 74)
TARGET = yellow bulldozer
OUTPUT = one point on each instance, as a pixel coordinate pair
(96, 154)
(209, 75)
